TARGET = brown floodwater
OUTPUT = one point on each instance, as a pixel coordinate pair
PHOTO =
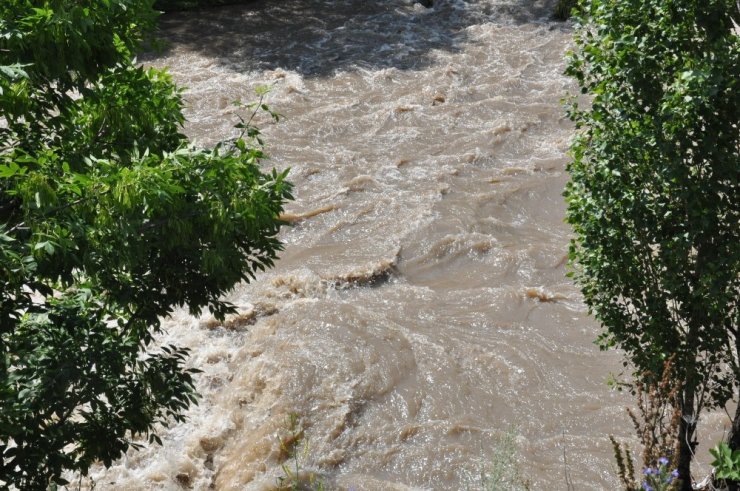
(420, 309)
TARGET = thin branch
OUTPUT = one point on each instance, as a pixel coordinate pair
(56, 209)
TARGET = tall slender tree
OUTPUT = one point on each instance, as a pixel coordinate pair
(654, 196)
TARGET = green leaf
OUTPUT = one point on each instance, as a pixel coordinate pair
(108, 210)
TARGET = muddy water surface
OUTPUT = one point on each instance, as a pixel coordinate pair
(420, 308)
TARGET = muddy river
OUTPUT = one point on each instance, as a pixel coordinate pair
(420, 310)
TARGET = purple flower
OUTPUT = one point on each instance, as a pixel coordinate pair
(663, 461)
(646, 486)
(674, 473)
(649, 471)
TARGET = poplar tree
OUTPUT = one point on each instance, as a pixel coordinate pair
(654, 196)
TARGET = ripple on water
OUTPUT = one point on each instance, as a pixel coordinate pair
(419, 310)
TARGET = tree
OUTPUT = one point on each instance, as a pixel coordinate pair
(109, 220)
(654, 196)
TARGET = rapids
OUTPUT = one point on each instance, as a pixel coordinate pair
(420, 309)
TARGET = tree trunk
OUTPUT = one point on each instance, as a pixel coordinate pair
(686, 443)
(733, 440)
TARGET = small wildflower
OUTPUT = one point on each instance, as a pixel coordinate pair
(658, 478)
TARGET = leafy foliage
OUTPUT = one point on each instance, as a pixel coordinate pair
(654, 197)
(109, 220)
(726, 462)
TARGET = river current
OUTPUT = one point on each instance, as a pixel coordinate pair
(420, 309)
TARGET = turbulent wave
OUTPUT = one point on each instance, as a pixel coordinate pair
(420, 307)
